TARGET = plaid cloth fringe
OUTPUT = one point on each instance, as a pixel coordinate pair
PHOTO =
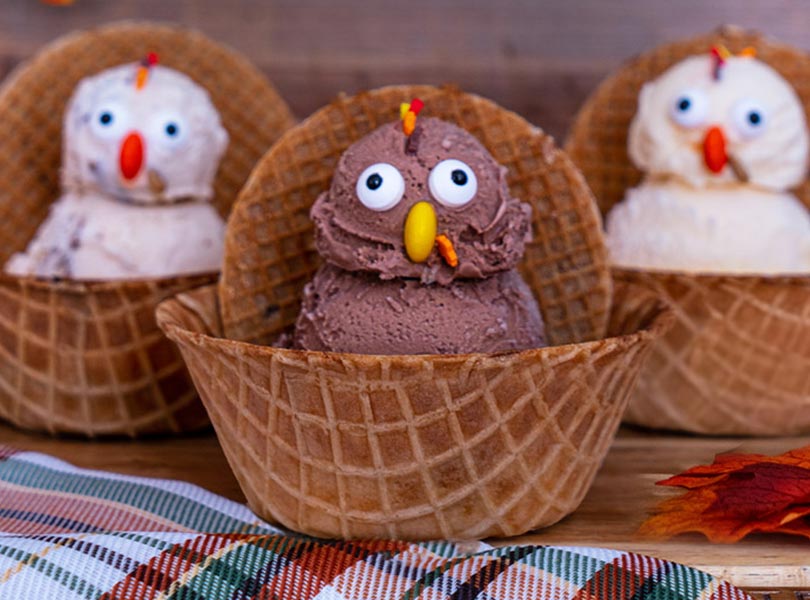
(69, 533)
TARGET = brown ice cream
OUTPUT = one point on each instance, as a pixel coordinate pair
(376, 294)
(361, 313)
(489, 233)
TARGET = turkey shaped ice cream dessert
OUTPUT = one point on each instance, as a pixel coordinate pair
(721, 140)
(141, 146)
(420, 239)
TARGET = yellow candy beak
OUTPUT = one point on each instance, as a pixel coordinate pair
(420, 231)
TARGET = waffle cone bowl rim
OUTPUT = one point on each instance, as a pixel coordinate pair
(89, 286)
(657, 326)
(709, 277)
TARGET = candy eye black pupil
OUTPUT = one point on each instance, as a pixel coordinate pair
(105, 118)
(172, 129)
(754, 118)
(374, 181)
(684, 104)
(459, 177)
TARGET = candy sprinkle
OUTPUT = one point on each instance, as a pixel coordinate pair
(720, 54)
(408, 113)
(446, 250)
(409, 122)
(147, 63)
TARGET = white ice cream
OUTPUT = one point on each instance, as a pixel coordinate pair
(721, 204)
(673, 226)
(87, 236)
(137, 177)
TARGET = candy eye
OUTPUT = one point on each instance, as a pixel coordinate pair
(689, 109)
(109, 121)
(749, 117)
(380, 187)
(168, 128)
(452, 183)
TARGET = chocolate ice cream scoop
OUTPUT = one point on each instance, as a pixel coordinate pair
(433, 205)
(361, 313)
(421, 238)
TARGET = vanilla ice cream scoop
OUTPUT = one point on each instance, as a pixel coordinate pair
(141, 147)
(721, 140)
(674, 226)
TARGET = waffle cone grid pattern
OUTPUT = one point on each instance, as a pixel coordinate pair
(92, 361)
(414, 447)
(82, 357)
(270, 254)
(737, 361)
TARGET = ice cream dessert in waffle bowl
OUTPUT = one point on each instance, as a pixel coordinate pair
(697, 152)
(412, 334)
(122, 150)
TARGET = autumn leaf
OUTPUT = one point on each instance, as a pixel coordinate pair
(736, 495)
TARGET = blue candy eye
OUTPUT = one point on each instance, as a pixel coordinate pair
(750, 117)
(168, 127)
(109, 121)
(690, 108)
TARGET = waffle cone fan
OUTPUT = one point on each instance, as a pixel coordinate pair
(737, 362)
(410, 446)
(87, 357)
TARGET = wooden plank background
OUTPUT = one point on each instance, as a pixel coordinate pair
(540, 58)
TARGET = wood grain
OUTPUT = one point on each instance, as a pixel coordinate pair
(197, 459)
(538, 58)
(624, 492)
(620, 499)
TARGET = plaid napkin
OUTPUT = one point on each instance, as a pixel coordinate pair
(69, 533)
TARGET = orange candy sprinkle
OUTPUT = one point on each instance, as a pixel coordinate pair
(446, 250)
(409, 123)
(140, 79)
(408, 113)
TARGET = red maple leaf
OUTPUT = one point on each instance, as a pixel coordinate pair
(736, 495)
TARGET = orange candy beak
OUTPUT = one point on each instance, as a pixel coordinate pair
(714, 150)
(132, 154)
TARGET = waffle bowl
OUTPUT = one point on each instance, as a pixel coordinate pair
(737, 361)
(88, 358)
(411, 446)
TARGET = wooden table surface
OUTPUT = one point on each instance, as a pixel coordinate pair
(619, 500)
